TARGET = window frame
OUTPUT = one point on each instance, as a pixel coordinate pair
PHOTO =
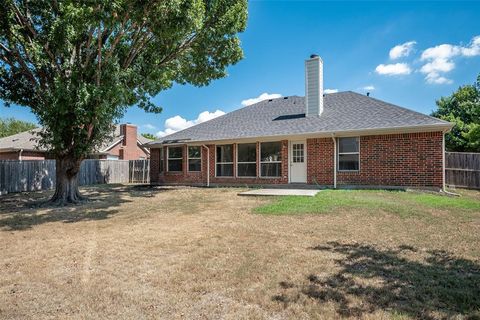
(168, 158)
(232, 163)
(344, 153)
(188, 159)
(261, 162)
(246, 162)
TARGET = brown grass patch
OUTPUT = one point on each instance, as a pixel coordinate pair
(201, 254)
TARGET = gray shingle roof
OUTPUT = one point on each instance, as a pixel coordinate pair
(343, 111)
(28, 140)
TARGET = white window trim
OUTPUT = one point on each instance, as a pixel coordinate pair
(216, 151)
(261, 162)
(342, 153)
(168, 158)
(248, 162)
(188, 158)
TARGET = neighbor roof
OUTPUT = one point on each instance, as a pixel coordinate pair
(343, 112)
(28, 141)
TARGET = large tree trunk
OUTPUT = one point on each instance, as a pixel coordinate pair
(66, 186)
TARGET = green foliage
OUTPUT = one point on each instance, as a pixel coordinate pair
(11, 126)
(462, 108)
(79, 64)
(149, 136)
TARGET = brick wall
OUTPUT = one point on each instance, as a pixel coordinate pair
(200, 178)
(128, 149)
(413, 159)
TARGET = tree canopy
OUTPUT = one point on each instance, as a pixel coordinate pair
(149, 136)
(11, 126)
(463, 109)
(79, 64)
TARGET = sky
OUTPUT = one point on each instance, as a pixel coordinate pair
(405, 53)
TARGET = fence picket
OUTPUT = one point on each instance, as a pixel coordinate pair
(34, 175)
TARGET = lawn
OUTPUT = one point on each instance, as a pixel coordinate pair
(192, 253)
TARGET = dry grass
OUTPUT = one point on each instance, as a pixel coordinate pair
(198, 254)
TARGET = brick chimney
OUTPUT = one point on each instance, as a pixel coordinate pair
(314, 86)
(129, 143)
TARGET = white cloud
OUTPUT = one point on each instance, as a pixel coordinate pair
(369, 88)
(402, 50)
(393, 69)
(263, 96)
(178, 123)
(327, 91)
(439, 59)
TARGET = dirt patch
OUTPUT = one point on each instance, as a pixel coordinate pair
(201, 253)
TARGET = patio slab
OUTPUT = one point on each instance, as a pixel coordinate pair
(280, 192)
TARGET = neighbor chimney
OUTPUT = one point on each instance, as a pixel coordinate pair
(314, 86)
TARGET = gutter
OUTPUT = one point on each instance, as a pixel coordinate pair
(334, 161)
(20, 154)
(208, 164)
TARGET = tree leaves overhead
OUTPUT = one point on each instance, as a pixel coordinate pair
(11, 126)
(462, 108)
(79, 64)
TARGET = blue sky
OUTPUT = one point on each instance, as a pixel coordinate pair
(436, 52)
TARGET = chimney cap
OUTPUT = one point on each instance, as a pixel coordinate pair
(313, 56)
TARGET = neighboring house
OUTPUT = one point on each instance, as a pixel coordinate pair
(124, 144)
(343, 138)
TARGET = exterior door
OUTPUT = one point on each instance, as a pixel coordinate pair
(298, 162)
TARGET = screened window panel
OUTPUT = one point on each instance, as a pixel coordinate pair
(247, 170)
(247, 152)
(194, 152)
(271, 169)
(348, 162)
(194, 165)
(346, 145)
(225, 170)
(175, 165)
(175, 152)
(271, 151)
(225, 153)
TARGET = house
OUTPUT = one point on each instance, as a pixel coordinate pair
(327, 140)
(124, 144)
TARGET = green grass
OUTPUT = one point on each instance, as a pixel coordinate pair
(401, 203)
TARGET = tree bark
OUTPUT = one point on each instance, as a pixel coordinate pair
(66, 186)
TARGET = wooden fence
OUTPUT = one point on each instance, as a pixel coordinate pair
(32, 175)
(462, 169)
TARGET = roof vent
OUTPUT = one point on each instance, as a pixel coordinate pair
(285, 98)
(270, 100)
(368, 94)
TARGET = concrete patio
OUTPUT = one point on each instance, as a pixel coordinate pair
(280, 192)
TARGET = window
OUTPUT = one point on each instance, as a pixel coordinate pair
(247, 160)
(271, 159)
(298, 155)
(194, 158)
(348, 154)
(225, 160)
(175, 159)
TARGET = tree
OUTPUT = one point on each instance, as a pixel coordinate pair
(11, 126)
(462, 108)
(79, 64)
(149, 136)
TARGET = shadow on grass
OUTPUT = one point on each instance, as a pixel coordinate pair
(424, 285)
(22, 211)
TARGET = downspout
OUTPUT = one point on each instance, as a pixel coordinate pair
(20, 154)
(208, 164)
(334, 161)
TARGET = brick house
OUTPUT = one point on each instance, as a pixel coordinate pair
(325, 140)
(124, 144)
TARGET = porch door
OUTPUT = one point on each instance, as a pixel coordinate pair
(298, 162)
